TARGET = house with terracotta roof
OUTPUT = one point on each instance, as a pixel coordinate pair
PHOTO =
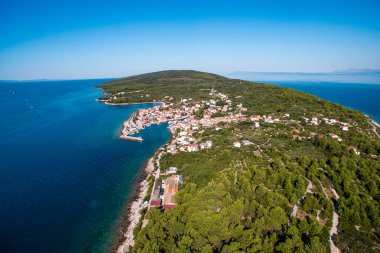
(255, 118)
(237, 144)
(334, 136)
(192, 148)
(354, 149)
(170, 186)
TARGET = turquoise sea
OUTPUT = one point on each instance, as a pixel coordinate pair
(65, 177)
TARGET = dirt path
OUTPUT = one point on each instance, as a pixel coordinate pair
(334, 231)
(335, 219)
(308, 190)
(309, 186)
(375, 125)
(266, 156)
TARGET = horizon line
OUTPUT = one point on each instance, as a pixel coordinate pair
(352, 71)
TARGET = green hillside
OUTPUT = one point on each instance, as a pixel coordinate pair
(242, 199)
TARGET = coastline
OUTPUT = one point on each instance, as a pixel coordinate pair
(119, 237)
(131, 216)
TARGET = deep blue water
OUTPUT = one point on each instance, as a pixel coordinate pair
(65, 177)
(359, 96)
(357, 91)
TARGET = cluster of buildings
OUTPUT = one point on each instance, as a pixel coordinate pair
(296, 135)
(184, 121)
(182, 136)
(265, 118)
(315, 121)
(163, 194)
(155, 115)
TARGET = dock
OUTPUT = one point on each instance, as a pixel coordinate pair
(131, 138)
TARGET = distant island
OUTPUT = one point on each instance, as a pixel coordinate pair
(250, 167)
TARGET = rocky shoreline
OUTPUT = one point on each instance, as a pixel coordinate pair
(124, 217)
(133, 211)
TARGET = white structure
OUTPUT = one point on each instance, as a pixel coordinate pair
(314, 121)
(172, 170)
(356, 151)
(268, 120)
(205, 145)
(237, 144)
(192, 148)
(334, 136)
(255, 118)
(246, 143)
(172, 149)
(183, 133)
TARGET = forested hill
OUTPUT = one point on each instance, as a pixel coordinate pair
(176, 77)
(177, 83)
(304, 158)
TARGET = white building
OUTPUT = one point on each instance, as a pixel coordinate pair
(192, 148)
(172, 170)
(237, 144)
(246, 143)
(314, 121)
(268, 120)
(172, 149)
(255, 118)
(205, 145)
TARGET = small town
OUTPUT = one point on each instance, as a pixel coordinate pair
(184, 121)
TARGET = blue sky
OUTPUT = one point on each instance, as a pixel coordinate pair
(95, 39)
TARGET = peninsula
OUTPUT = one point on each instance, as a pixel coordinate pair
(250, 167)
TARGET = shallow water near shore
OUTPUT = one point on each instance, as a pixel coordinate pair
(65, 177)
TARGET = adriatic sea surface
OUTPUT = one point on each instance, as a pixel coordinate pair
(358, 92)
(65, 177)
